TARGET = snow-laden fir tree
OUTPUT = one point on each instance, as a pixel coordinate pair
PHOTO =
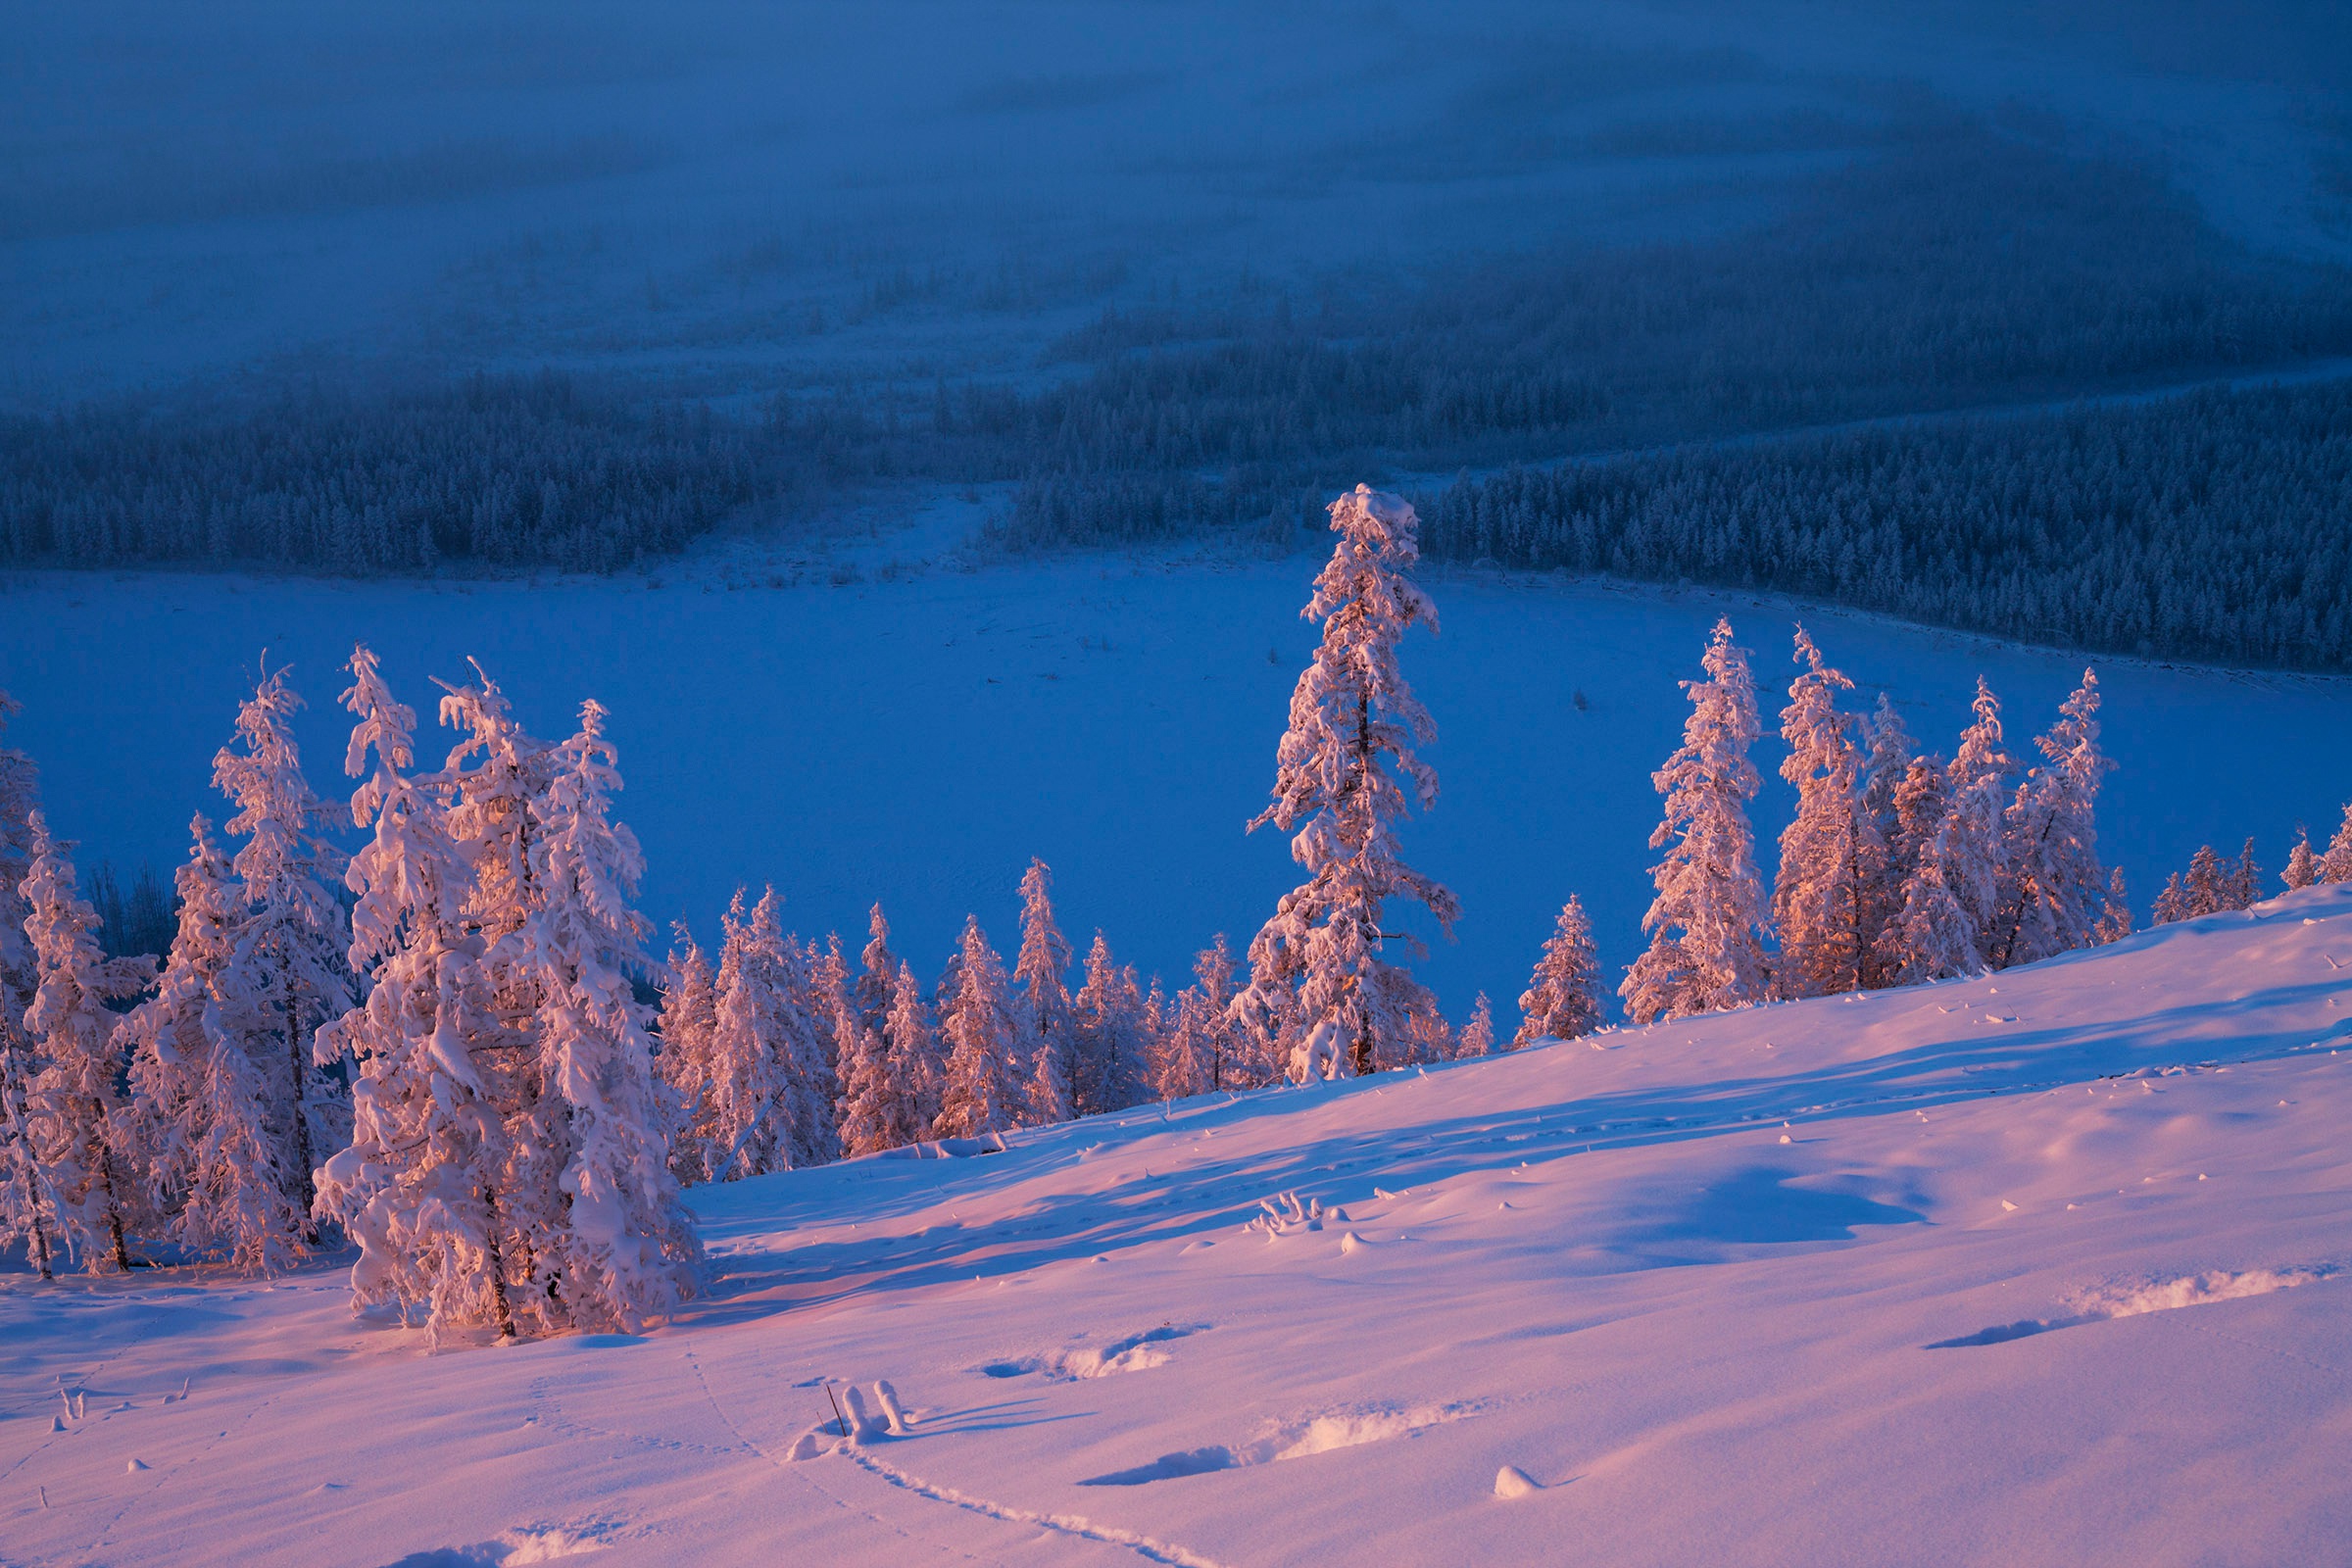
(19, 798)
(824, 981)
(2054, 891)
(1957, 867)
(73, 1111)
(1707, 924)
(1562, 999)
(1973, 846)
(1201, 1050)
(170, 1048)
(2114, 919)
(688, 1028)
(1830, 856)
(1321, 958)
(764, 1051)
(984, 1091)
(876, 981)
(2302, 865)
(420, 1187)
(2205, 888)
(918, 1076)
(1886, 767)
(869, 1094)
(612, 1245)
(2241, 884)
(1111, 1030)
(1040, 970)
(1478, 1035)
(29, 1204)
(2336, 865)
(285, 976)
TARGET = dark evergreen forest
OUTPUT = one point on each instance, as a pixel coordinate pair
(1962, 271)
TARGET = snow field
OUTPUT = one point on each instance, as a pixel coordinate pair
(1601, 1269)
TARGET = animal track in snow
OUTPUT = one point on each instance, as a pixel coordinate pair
(2101, 1303)
(1137, 1352)
(1350, 1426)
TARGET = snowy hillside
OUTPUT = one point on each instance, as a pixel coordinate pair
(917, 740)
(2037, 1269)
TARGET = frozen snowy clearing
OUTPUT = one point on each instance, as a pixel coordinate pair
(2041, 1269)
(916, 739)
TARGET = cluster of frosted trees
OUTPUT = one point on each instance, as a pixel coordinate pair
(452, 1068)
(783, 1053)
(195, 1117)
(436, 1046)
(1899, 867)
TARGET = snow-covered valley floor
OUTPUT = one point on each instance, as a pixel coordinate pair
(2045, 1268)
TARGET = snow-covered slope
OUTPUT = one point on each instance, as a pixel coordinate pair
(2043, 1269)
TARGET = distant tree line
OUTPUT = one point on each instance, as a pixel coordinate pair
(494, 471)
(1965, 272)
(2215, 525)
(1961, 270)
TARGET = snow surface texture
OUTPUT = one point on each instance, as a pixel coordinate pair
(917, 740)
(2042, 1268)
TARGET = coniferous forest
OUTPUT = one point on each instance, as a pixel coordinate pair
(1962, 271)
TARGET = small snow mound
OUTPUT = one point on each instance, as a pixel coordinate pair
(1352, 1242)
(1512, 1482)
(511, 1549)
(134, 1467)
(2192, 1290)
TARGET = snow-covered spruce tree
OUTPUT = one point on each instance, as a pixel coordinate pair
(1110, 1065)
(867, 1093)
(1039, 970)
(2241, 882)
(1562, 999)
(612, 1244)
(876, 982)
(984, 1092)
(1830, 854)
(1972, 847)
(237, 1197)
(1478, 1035)
(1885, 766)
(73, 1111)
(420, 1187)
(1707, 924)
(2054, 891)
(2171, 902)
(815, 974)
(2205, 888)
(285, 975)
(684, 1063)
(1932, 937)
(1952, 891)
(753, 1094)
(918, 1076)
(2336, 865)
(1922, 799)
(30, 1211)
(2302, 866)
(1200, 1049)
(1319, 960)
(169, 1049)
(2114, 919)
(19, 798)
